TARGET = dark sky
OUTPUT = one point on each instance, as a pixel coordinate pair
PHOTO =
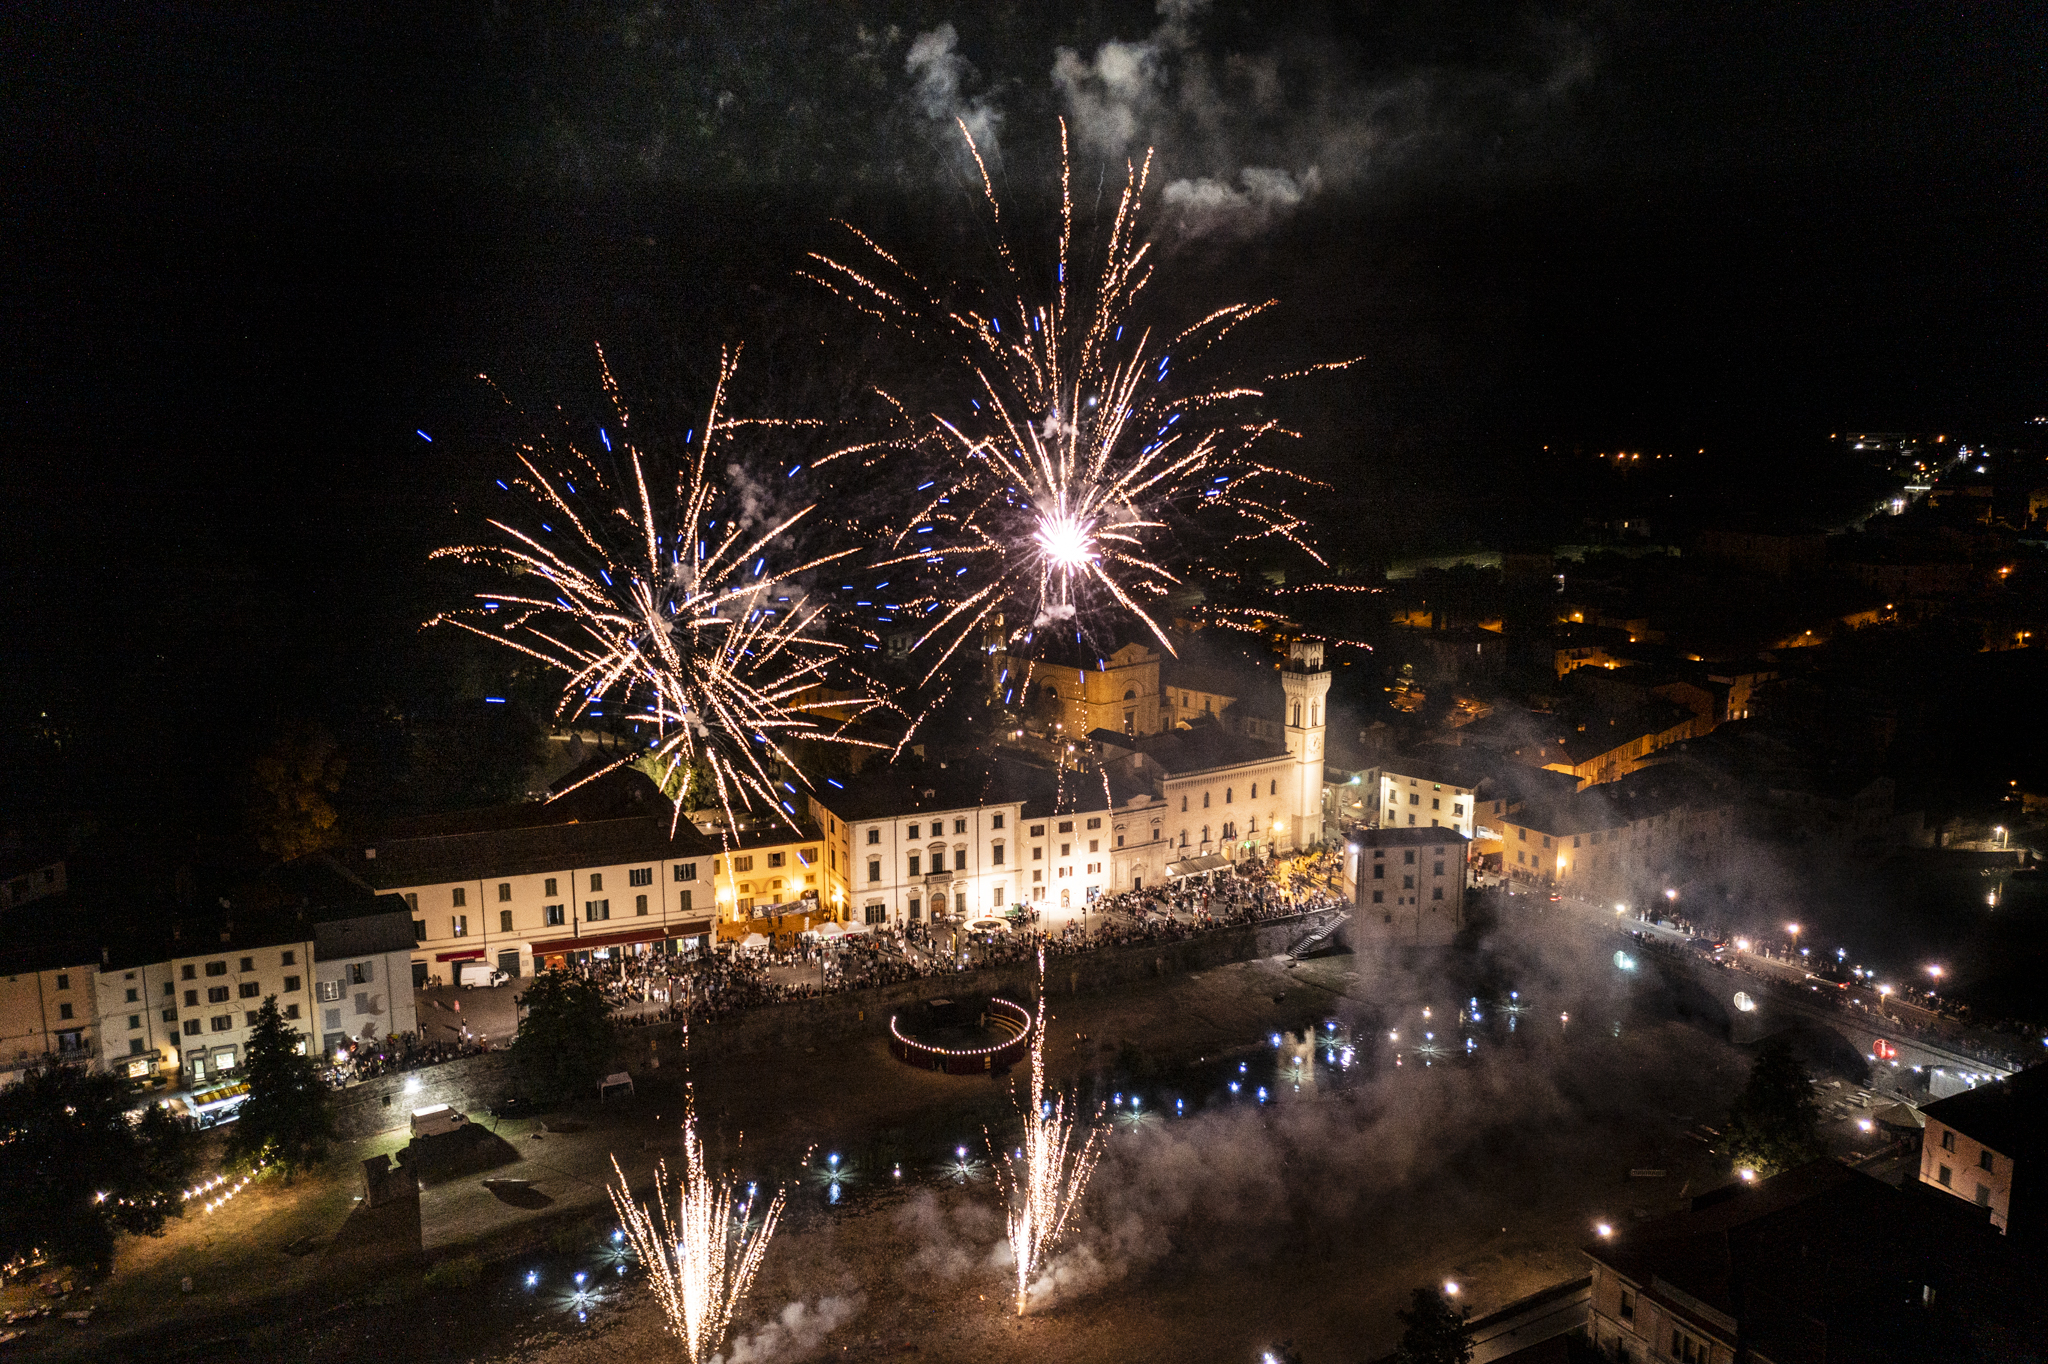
(248, 250)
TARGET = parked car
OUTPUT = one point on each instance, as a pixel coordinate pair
(517, 1106)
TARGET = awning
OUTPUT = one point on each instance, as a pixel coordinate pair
(754, 942)
(556, 946)
(465, 955)
(1196, 866)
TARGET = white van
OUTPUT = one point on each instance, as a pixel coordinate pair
(437, 1121)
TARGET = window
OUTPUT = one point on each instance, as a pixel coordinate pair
(683, 901)
(776, 859)
(360, 972)
(291, 1012)
(458, 926)
(291, 985)
(505, 920)
(504, 891)
(1119, 840)
(1522, 834)
(1038, 876)
(1687, 1348)
(1436, 893)
(1983, 1195)
(288, 959)
(1066, 826)
(216, 968)
(1038, 830)
(1379, 897)
(1944, 1177)
(460, 897)
(1094, 845)
(960, 859)
(1205, 800)
(913, 864)
(739, 864)
(548, 887)
(555, 915)
(1407, 883)
(217, 994)
(64, 1010)
(1066, 850)
(1546, 840)
(1409, 857)
(419, 930)
(191, 1027)
(959, 826)
(170, 1015)
(1628, 1305)
(412, 901)
(875, 914)
(639, 904)
(1575, 840)
(134, 996)
(686, 871)
(1438, 869)
(995, 855)
(914, 830)
(874, 837)
(874, 871)
(1037, 853)
(1226, 795)
(1948, 1140)
(1984, 1159)
(597, 880)
(594, 910)
(250, 989)
(222, 1022)
(1095, 823)
(191, 999)
(1414, 799)
(995, 821)
(1272, 788)
(169, 988)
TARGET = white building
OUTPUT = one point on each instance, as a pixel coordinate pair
(180, 1006)
(508, 899)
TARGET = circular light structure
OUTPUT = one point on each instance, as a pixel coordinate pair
(1744, 1002)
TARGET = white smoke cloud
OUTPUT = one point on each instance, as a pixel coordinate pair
(1228, 126)
(1262, 195)
(934, 60)
(798, 1333)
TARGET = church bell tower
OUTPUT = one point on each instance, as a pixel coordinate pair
(1307, 685)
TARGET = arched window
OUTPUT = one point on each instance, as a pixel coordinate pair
(1272, 788)
(1295, 722)
(1130, 694)
(1205, 805)
(1226, 794)
(1205, 834)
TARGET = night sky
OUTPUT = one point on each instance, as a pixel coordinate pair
(250, 250)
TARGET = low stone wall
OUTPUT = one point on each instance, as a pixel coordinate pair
(805, 1025)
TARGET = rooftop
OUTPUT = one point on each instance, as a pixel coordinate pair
(2010, 1117)
(434, 860)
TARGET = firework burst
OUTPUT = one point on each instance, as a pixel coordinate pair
(701, 1256)
(665, 598)
(1070, 445)
(1043, 1180)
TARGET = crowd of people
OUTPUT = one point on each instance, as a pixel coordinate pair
(731, 979)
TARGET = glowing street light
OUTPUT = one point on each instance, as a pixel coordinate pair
(1604, 1228)
(1935, 971)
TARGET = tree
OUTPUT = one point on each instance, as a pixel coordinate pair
(564, 1046)
(289, 810)
(1434, 1332)
(285, 1118)
(1774, 1123)
(75, 1171)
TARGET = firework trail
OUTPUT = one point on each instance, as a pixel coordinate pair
(667, 599)
(1071, 446)
(1044, 1181)
(702, 1257)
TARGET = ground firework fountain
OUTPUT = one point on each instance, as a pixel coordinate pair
(701, 1257)
(1043, 1179)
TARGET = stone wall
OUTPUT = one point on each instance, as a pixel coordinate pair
(476, 1082)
